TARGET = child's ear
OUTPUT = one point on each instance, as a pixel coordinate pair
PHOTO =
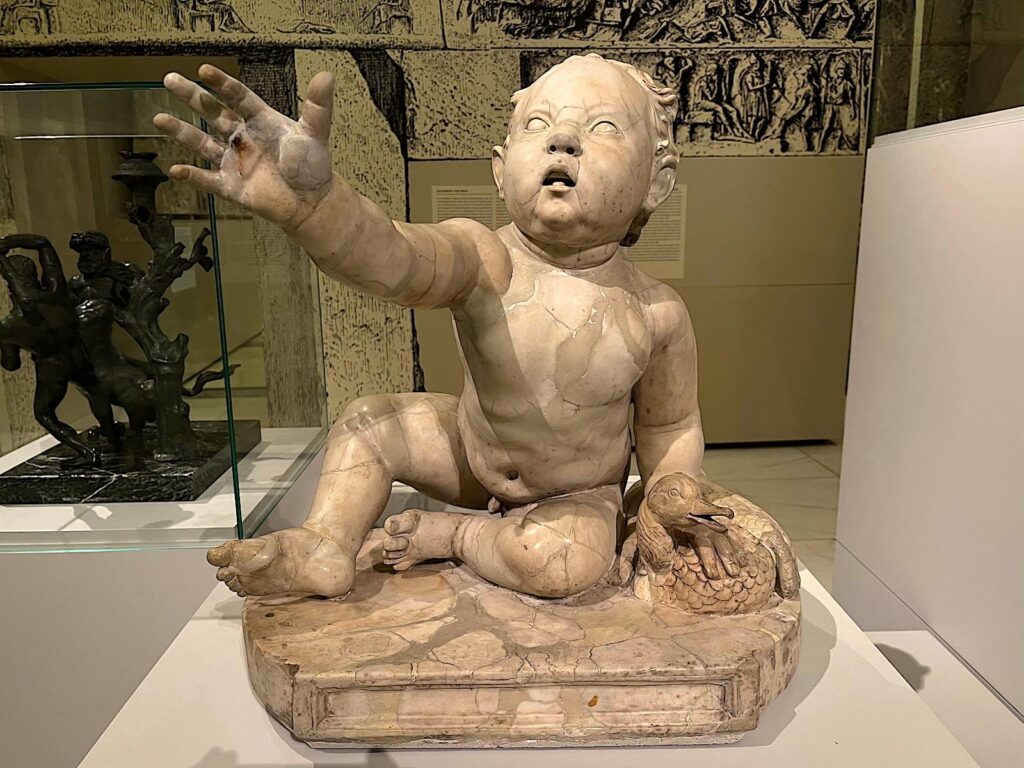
(498, 169)
(661, 186)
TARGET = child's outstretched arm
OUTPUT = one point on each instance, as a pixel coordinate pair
(280, 169)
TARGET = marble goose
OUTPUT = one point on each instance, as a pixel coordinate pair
(676, 508)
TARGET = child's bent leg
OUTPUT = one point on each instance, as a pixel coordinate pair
(412, 438)
(559, 547)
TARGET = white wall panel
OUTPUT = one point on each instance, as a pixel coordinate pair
(932, 496)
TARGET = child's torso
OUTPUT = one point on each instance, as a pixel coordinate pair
(551, 364)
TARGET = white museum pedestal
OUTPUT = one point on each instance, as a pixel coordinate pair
(985, 726)
(846, 707)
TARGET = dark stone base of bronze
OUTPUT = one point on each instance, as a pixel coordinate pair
(127, 476)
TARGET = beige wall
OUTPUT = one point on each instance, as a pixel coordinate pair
(770, 258)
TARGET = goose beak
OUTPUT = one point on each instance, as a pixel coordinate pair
(708, 515)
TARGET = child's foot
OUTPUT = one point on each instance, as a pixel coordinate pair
(292, 560)
(416, 535)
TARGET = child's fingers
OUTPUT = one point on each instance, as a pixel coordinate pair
(318, 107)
(727, 555)
(191, 137)
(204, 181)
(237, 96)
(220, 118)
(708, 558)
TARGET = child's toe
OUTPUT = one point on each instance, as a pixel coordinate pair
(221, 555)
(404, 522)
(395, 548)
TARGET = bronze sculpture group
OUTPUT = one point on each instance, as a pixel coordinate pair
(66, 327)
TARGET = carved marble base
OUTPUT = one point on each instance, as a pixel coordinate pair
(435, 656)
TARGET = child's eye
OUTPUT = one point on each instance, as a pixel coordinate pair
(604, 126)
(536, 124)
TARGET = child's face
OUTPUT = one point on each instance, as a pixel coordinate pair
(578, 165)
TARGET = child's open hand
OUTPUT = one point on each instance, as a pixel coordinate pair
(276, 167)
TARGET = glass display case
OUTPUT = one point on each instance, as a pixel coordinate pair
(133, 395)
(937, 61)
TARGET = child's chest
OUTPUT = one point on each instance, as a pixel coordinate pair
(586, 340)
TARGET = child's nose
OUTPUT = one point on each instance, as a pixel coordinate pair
(564, 140)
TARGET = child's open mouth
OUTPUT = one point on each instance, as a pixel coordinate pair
(557, 178)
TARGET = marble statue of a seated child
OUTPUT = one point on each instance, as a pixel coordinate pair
(559, 335)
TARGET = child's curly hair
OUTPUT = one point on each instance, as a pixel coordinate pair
(664, 105)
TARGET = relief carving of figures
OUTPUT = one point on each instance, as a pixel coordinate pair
(207, 16)
(839, 13)
(798, 110)
(29, 17)
(306, 27)
(864, 29)
(712, 28)
(765, 13)
(839, 121)
(536, 18)
(772, 103)
(652, 21)
(105, 22)
(672, 71)
(708, 108)
(752, 95)
(389, 17)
